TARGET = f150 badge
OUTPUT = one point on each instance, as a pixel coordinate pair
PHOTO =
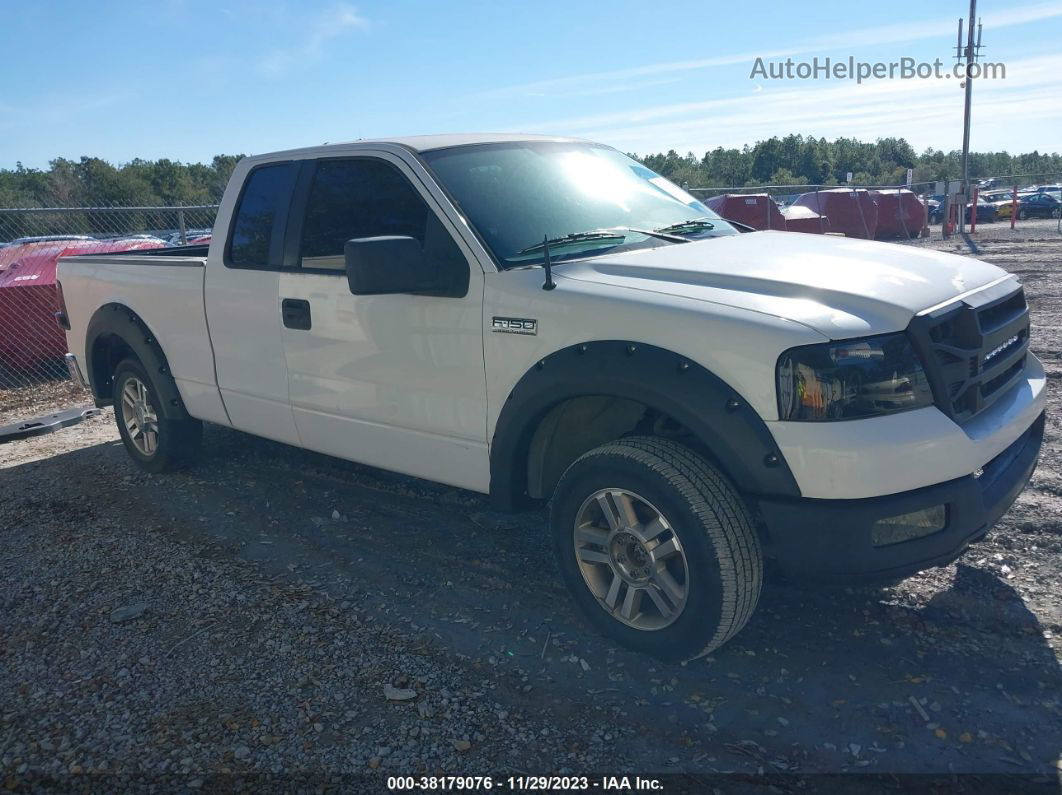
(514, 325)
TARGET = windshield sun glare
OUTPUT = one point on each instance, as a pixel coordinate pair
(515, 195)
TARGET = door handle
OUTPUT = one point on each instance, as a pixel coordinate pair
(296, 313)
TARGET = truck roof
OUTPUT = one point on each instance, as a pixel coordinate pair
(426, 143)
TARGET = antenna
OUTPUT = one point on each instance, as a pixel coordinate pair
(547, 264)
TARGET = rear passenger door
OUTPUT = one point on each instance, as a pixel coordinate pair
(396, 381)
(242, 306)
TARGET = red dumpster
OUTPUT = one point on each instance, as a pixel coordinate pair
(900, 213)
(757, 210)
(804, 219)
(851, 210)
(29, 334)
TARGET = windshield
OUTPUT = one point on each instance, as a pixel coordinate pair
(515, 195)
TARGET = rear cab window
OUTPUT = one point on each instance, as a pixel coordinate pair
(255, 238)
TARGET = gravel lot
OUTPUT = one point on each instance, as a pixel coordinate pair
(278, 612)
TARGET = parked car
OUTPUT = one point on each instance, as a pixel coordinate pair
(986, 212)
(137, 238)
(175, 238)
(1005, 207)
(1039, 205)
(546, 321)
(49, 239)
(994, 196)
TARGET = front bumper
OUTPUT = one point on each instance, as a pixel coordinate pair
(833, 538)
(900, 452)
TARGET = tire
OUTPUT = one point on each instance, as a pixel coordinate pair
(156, 443)
(1055, 213)
(664, 485)
(1022, 215)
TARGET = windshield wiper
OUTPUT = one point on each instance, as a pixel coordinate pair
(690, 225)
(574, 237)
(662, 234)
(603, 234)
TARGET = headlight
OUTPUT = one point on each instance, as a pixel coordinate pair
(851, 379)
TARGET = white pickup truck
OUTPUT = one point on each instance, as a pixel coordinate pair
(546, 320)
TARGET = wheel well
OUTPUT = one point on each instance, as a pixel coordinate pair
(584, 395)
(579, 424)
(107, 351)
(115, 332)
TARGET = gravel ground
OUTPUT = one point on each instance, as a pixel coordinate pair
(1029, 229)
(287, 615)
(20, 403)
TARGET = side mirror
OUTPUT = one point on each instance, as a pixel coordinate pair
(387, 265)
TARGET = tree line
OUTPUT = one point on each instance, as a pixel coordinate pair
(92, 182)
(790, 160)
(807, 160)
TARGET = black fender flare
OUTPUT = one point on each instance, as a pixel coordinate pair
(118, 320)
(718, 417)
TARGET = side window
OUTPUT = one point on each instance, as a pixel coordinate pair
(357, 198)
(267, 191)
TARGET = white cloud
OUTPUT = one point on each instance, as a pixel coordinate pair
(865, 37)
(1008, 114)
(313, 36)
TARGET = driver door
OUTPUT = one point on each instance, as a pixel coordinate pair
(395, 381)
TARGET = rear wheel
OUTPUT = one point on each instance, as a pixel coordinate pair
(656, 547)
(155, 443)
(1022, 215)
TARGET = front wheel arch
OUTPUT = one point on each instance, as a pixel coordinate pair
(716, 418)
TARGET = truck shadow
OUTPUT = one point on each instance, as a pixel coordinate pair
(946, 676)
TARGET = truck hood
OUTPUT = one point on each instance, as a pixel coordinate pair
(840, 287)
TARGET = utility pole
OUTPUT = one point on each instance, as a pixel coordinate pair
(972, 51)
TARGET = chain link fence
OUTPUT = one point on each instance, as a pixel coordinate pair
(33, 371)
(894, 212)
(32, 345)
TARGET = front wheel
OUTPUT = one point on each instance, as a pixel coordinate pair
(1022, 215)
(154, 442)
(1055, 213)
(656, 547)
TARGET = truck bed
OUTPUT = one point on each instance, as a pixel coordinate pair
(147, 256)
(165, 288)
(172, 252)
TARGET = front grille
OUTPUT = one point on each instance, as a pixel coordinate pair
(974, 350)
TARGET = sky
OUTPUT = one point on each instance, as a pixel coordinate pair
(188, 79)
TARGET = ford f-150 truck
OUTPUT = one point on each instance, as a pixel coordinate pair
(547, 321)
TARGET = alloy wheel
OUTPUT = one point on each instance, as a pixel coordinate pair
(141, 421)
(631, 559)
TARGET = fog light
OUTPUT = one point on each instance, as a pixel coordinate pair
(908, 526)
